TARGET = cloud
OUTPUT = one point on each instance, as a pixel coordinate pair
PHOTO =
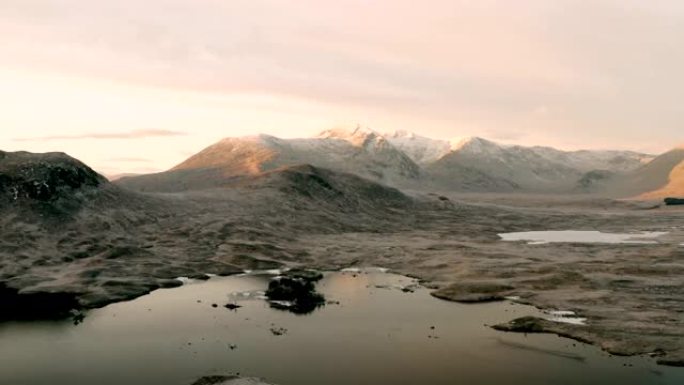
(602, 71)
(131, 160)
(134, 134)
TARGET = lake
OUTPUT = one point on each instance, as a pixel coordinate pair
(377, 334)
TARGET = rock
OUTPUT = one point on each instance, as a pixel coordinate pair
(531, 324)
(278, 331)
(671, 361)
(305, 274)
(524, 325)
(294, 294)
(410, 288)
(212, 380)
(16, 306)
(474, 292)
(295, 291)
(674, 201)
(199, 276)
(229, 380)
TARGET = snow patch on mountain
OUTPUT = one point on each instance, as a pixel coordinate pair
(421, 149)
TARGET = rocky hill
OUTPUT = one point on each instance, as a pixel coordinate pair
(46, 177)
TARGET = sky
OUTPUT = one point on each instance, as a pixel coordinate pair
(138, 86)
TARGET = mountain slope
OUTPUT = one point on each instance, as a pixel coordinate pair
(507, 168)
(656, 174)
(341, 191)
(362, 152)
(419, 148)
(674, 186)
(662, 176)
(540, 169)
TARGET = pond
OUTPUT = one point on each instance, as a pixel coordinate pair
(377, 328)
(578, 236)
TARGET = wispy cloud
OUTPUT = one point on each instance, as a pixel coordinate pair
(134, 134)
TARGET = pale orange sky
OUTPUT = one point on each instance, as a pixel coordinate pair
(137, 86)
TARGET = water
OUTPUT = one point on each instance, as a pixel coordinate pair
(574, 236)
(376, 335)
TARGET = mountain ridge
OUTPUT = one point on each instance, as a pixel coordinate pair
(401, 159)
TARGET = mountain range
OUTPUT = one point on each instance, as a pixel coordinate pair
(406, 160)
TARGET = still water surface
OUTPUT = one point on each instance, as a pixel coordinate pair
(377, 335)
(582, 236)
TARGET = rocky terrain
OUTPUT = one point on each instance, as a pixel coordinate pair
(70, 238)
(94, 243)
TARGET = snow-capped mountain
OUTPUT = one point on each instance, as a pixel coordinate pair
(400, 159)
(360, 151)
(543, 169)
(421, 149)
(514, 166)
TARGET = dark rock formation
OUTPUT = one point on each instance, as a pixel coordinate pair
(674, 201)
(296, 292)
(229, 380)
(43, 177)
(16, 306)
(671, 361)
(214, 380)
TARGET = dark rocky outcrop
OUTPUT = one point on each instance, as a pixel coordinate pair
(51, 185)
(296, 292)
(229, 380)
(674, 201)
(17, 306)
(214, 380)
(43, 177)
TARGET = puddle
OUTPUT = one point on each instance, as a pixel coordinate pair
(370, 332)
(565, 316)
(574, 236)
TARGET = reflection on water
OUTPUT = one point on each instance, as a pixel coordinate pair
(377, 334)
(573, 236)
